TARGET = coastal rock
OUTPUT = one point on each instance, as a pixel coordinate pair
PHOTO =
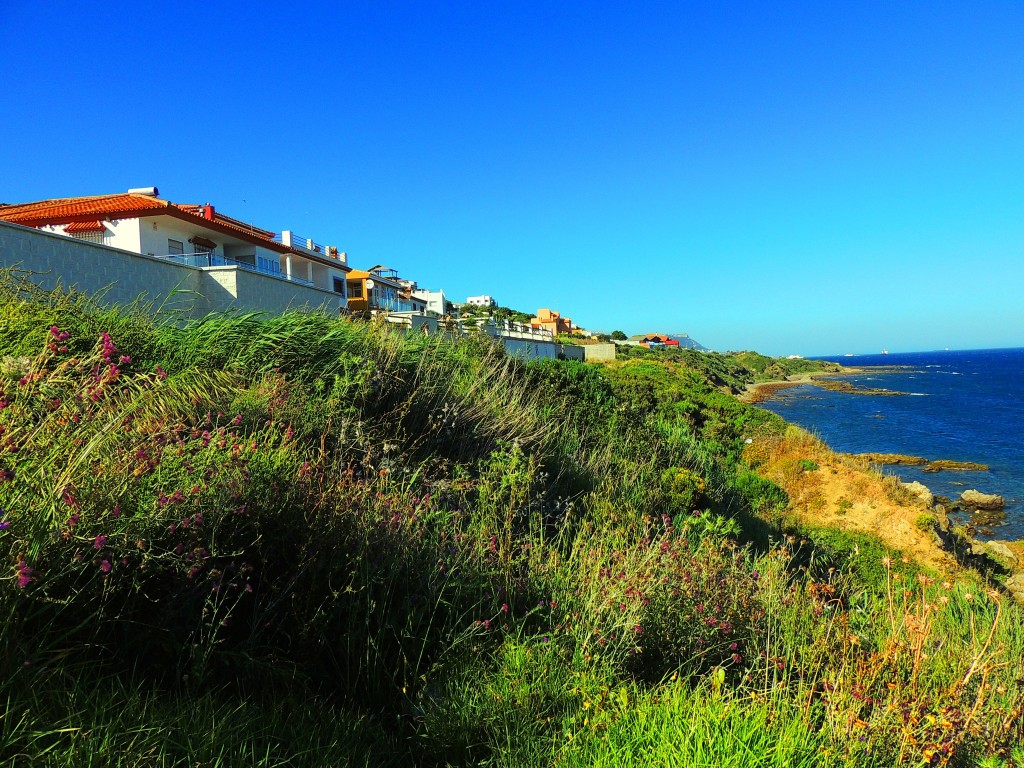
(1002, 551)
(979, 500)
(984, 519)
(1015, 586)
(998, 551)
(921, 491)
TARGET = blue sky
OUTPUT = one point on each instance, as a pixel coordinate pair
(792, 177)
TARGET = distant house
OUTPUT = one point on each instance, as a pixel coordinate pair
(653, 341)
(481, 301)
(437, 304)
(552, 321)
(140, 222)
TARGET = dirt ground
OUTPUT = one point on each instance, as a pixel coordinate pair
(844, 492)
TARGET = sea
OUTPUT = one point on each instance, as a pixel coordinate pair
(961, 405)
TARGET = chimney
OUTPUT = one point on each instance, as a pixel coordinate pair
(208, 212)
(148, 191)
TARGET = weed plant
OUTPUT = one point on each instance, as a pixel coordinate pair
(310, 541)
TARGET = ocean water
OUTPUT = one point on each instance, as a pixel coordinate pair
(963, 405)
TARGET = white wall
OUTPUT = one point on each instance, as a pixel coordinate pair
(157, 230)
(120, 277)
(435, 300)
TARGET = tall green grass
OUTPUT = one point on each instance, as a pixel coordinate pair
(305, 541)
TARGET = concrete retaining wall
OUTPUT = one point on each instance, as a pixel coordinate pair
(539, 350)
(117, 277)
(599, 353)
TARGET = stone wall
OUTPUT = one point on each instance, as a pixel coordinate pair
(117, 277)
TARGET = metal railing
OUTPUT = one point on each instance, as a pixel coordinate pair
(295, 240)
(263, 266)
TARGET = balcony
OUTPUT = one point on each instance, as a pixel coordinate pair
(307, 245)
(263, 266)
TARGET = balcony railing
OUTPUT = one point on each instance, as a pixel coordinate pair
(262, 266)
(308, 245)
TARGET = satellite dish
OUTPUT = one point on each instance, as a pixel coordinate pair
(369, 285)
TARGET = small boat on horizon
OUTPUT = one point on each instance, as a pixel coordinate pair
(885, 351)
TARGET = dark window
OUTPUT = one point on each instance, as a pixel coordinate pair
(89, 237)
(175, 246)
(339, 285)
(355, 290)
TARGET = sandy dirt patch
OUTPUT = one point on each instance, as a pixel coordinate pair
(833, 490)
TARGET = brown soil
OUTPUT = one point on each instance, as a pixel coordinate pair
(844, 492)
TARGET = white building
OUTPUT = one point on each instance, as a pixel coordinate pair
(195, 235)
(481, 301)
(436, 301)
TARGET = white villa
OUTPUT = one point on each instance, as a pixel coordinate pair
(140, 222)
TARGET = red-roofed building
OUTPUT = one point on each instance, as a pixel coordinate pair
(140, 222)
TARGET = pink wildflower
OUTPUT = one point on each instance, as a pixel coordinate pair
(25, 574)
(105, 566)
(99, 541)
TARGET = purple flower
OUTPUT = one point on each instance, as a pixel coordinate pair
(99, 541)
(105, 566)
(25, 574)
(5, 524)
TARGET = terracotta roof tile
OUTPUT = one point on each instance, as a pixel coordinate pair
(84, 226)
(67, 207)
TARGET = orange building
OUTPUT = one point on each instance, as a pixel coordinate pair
(551, 321)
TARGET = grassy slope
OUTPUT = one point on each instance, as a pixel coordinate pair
(306, 541)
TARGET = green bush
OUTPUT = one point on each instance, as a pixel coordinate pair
(683, 489)
(762, 495)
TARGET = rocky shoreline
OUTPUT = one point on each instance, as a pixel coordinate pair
(990, 555)
(761, 391)
(927, 465)
(972, 543)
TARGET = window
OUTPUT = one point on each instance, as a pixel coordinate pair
(355, 290)
(339, 285)
(202, 245)
(175, 247)
(89, 237)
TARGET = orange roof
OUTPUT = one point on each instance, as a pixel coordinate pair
(84, 226)
(45, 211)
(227, 221)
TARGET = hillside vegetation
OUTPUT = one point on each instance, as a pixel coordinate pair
(306, 541)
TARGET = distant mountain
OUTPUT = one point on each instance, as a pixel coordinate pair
(685, 341)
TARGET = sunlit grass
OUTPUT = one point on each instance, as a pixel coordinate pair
(310, 541)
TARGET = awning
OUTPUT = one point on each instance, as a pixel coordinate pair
(84, 226)
(203, 242)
